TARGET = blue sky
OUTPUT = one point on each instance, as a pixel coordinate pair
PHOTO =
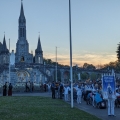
(95, 28)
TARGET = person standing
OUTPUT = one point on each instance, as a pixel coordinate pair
(5, 89)
(61, 90)
(49, 86)
(66, 89)
(10, 90)
(111, 100)
(53, 89)
(79, 94)
(45, 87)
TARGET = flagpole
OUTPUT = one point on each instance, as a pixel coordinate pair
(9, 60)
(71, 78)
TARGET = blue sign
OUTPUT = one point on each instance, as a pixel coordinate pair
(108, 80)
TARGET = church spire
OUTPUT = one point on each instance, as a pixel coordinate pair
(39, 53)
(39, 48)
(4, 46)
(39, 44)
(4, 43)
(22, 10)
(22, 24)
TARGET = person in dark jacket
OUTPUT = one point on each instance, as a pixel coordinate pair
(5, 89)
(61, 90)
(10, 90)
(53, 89)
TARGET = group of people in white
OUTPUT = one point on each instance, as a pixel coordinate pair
(77, 89)
(80, 88)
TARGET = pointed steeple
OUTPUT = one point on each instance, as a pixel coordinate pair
(22, 11)
(39, 48)
(22, 24)
(39, 44)
(39, 53)
(4, 46)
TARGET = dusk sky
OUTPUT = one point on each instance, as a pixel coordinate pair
(95, 28)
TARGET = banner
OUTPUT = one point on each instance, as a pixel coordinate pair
(108, 80)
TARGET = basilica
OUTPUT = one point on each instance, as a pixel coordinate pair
(20, 67)
(25, 66)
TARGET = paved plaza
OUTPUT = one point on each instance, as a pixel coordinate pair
(100, 113)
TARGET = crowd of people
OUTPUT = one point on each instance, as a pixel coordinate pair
(90, 92)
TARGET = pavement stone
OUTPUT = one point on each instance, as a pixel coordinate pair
(100, 113)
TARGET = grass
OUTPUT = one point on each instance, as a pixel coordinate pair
(39, 108)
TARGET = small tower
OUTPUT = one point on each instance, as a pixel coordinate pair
(39, 53)
(4, 52)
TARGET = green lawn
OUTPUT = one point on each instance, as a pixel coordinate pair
(39, 108)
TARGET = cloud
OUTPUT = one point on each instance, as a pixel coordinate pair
(84, 57)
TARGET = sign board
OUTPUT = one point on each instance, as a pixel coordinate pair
(108, 80)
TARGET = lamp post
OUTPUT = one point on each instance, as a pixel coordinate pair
(76, 71)
(44, 72)
(56, 64)
(71, 78)
(9, 60)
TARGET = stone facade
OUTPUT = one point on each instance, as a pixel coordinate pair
(25, 67)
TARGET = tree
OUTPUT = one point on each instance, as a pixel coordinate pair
(84, 76)
(93, 76)
(48, 61)
(118, 52)
(89, 66)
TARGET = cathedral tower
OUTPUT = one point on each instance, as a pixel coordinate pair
(22, 45)
(39, 53)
